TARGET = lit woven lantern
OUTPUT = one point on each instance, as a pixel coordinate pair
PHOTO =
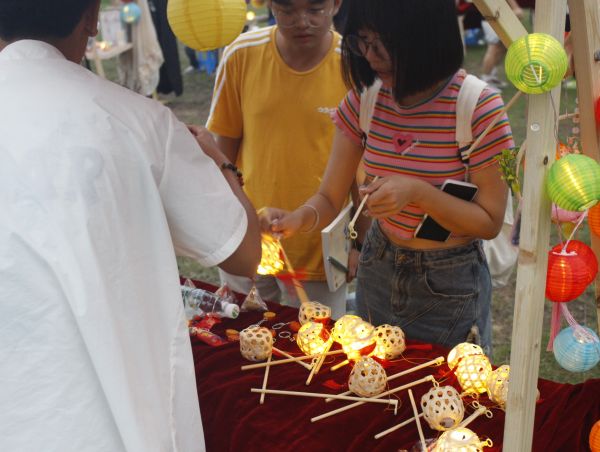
(573, 182)
(368, 378)
(460, 440)
(567, 276)
(472, 373)
(460, 351)
(206, 24)
(594, 219)
(353, 334)
(312, 338)
(595, 437)
(256, 343)
(389, 342)
(271, 261)
(497, 385)
(443, 408)
(536, 63)
(585, 252)
(577, 349)
(313, 311)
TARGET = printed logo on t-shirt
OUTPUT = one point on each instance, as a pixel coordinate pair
(326, 110)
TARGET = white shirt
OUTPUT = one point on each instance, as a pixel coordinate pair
(97, 187)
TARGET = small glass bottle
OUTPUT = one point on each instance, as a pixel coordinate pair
(201, 302)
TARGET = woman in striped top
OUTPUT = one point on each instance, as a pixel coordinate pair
(437, 292)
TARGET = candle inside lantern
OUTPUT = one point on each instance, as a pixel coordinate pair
(460, 440)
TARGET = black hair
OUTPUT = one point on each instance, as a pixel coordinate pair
(37, 19)
(421, 36)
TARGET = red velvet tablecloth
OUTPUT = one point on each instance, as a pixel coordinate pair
(233, 419)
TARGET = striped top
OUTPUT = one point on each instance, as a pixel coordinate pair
(419, 141)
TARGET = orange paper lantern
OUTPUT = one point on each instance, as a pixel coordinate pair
(567, 277)
(594, 219)
(595, 437)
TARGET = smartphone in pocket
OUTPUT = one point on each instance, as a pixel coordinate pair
(429, 228)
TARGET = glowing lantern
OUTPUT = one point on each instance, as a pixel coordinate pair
(443, 408)
(595, 437)
(497, 385)
(312, 338)
(567, 277)
(271, 262)
(585, 252)
(460, 440)
(577, 350)
(206, 24)
(353, 334)
(313, 311)
(460, 351)
(594, 219)
(573, 182)
(389, 342)
(130, 13)
(472, 373)
(256, 343)
(368, 378)
(536, 63)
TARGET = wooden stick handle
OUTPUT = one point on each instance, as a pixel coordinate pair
(396, 427)
(319, 363)
(287, 355)
(340, 365)
(289, 360)
(416, 411)
(472, 417)
(322, 396)
(353, 233)
(264, 385)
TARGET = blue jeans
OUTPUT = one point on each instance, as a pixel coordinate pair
(436, 296)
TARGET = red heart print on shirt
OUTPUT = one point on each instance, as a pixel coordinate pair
(402, 141)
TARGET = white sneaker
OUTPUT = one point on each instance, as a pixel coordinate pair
(494, 81)
(188, 70)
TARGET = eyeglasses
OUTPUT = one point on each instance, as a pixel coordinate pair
(314, 17)
(360, 46)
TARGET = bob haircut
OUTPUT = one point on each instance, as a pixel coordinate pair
(421, 36)
(35, 19)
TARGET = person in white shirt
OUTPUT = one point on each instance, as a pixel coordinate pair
(99, 188)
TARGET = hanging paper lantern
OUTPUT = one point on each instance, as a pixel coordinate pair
(577, 349)
(567, 277)
(206, 24)
(313, 311)
(312, 338)
(583, 251)
(368, 378)
(497, 385)
(594, 219)
(472, 373)
(573, 182)
(443, 408)
(536, 63)
(460, 440)
(389, 342)
(595, 437)
(271, 262)
(130, 13)
(460, 351)
(256, 343)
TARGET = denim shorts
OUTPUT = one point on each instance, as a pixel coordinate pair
(440, 296)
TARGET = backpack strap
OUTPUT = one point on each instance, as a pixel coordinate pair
(368, 98)
(466, 103)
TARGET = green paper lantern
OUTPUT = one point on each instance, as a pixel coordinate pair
(573, 182)
(536, 63)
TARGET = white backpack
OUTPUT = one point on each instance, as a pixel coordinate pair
(500, 253)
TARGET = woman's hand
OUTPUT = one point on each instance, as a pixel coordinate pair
(353, 258)
(279, 222)
(389, 195)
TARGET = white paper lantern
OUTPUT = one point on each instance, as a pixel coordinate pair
(311, 338)
(256, 343)
(460, 351)
(442, 407)
(368, 378)
(313, 310)
(389, 342)
(497, 385)
(472, 373)
(460, 440)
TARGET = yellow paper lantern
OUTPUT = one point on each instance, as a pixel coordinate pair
(460, 351)
(311, 340)
(206, 24)
(271, 262)
(472, 373)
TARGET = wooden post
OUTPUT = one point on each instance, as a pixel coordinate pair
(585, 26)
(502, 19)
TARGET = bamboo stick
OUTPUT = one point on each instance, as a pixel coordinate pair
(289, 360)
(416, 411)
(472, 417)
(396, 427)
(266, 377)
(317, 365)
(322, 396)
(353, 233)
(287, 355)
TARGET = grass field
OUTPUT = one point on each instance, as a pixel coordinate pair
(192, 107)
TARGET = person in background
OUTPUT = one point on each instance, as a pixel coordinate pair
(437, 292)
(100, 187)
(274, 92)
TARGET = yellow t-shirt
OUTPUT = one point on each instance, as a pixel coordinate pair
(283, 118)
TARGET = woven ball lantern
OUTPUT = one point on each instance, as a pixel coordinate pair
(312, 338)
(206, 24)
(497, 385)
(368, 378)
(130, 13)
(389, 342)
(577, 349)
(460, 351)
(443, 408)
(573, 182)
(595, 437)
(472, 373)
(313, 311)
(271, 262)
(256, 343)
(353, 334)
(594, 219)
(567, 276)
(536, 63)
(460, 440)
(583, 251)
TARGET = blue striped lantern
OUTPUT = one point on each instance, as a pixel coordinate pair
(576, 351)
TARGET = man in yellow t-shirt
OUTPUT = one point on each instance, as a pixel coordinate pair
(274, 90)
